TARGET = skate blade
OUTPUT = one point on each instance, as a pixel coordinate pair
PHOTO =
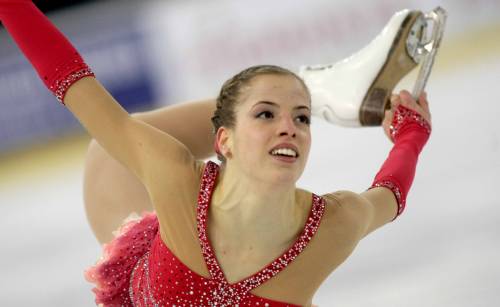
(427, 49)
(412, 45)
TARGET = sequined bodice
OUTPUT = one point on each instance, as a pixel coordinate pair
(160, 278)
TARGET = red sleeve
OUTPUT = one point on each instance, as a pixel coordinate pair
(409, 131)
(57, 62)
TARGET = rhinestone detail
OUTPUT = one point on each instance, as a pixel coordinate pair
(403, 116)
(65, 75)
(396, 191)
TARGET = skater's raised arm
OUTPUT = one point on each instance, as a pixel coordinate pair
(409, 128)
(142, 148)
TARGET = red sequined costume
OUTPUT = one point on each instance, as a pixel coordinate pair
(138, 269)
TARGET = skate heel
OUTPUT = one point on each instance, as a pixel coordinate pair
(412, 46)
(398, 64)
(356, 91)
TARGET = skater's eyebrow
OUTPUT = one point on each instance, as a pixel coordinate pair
(277, 105)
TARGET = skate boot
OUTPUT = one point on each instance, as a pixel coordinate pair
(356, 90)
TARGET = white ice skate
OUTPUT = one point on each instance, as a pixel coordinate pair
(356, 90)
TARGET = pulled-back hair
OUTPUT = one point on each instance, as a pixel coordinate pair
(227, 100)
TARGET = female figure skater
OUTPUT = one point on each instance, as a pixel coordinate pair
(238, 234)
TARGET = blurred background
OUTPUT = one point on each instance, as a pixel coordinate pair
(149, 54)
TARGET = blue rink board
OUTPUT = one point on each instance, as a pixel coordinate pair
(31, 114)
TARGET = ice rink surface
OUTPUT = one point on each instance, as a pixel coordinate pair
(443, 250)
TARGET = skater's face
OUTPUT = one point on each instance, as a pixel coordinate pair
(273, 112)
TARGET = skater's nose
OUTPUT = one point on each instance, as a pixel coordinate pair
(287, 126)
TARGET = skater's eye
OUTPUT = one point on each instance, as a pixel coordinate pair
(265, 115)
(304, 119)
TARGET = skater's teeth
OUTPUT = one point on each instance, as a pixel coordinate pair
(284, 152)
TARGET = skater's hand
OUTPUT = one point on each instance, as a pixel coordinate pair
(405, 99)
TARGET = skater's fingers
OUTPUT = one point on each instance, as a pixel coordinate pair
(425, 106)
(422, 99)
(423, 96)
(422, 107)
(423, 102)
(386, 123)
(395, 100)
(388, 115)
(407, 99)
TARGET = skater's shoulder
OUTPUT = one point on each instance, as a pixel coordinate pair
(345, 217)
(347, 205)
(343, 198)
(339, 199)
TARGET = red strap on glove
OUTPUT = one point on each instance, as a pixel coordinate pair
(57, 62)
(409, 131)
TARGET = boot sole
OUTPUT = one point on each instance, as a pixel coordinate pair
(398, 64)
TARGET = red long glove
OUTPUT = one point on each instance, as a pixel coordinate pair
(57, 62)
(409, 131)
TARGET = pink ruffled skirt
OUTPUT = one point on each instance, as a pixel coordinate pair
(111, 274)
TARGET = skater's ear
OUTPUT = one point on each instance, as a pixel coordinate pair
(223, 141)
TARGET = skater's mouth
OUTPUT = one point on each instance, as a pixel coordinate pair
(285, 150)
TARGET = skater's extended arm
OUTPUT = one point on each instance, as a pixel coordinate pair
(409, 128)
(386, 198)
(144, 149)
(140, 147)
